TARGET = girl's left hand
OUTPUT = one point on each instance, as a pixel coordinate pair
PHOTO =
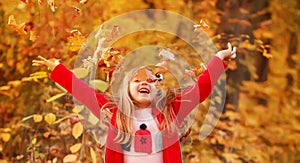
(227, 54)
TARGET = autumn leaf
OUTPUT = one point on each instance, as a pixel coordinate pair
(50, 118)
(70, 158)
(80, 72)
(5, 136)
(75, 41)
(75, 148)
(37, 118)
(20, 28)
(201, 26)
(77, 130)
(99, 85)
(93, 155)
(51, 5)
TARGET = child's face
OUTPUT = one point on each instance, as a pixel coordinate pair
(142, 88)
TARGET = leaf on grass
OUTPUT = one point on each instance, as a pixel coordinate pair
(77, 130)
(55, 97)
(70, 158)
(37, 118)
(50, 118)
(93, 155)
(99, 85)
(80, 72)
(5, 137)
(75, 148)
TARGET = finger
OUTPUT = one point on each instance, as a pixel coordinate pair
(42, 58)
(229, 46)
(36, 64)
(38, 61)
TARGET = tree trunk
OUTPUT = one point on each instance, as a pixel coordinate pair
(239, 19)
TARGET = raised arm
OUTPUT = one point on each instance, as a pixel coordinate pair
(79, 89)
(197, 93)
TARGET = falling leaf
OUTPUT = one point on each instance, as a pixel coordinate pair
(50, 118)
(75, 148)
(70, 158)
(75, 41)
(201, 26)
(77, 130)
(20, 28)
(33, 36)
(33, 141)
(99, 85)
(55, 97)
(37, 118)
(80, 72)
(93, 155)
(51, 5)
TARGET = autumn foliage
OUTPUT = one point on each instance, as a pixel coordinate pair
(40, 122)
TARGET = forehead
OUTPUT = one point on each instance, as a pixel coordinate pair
(143, 73)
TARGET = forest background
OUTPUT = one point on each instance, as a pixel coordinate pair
(261, 118)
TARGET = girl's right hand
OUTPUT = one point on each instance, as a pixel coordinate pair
(50, 63)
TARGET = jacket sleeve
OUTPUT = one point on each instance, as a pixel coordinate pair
(79, 89)
(197, 93)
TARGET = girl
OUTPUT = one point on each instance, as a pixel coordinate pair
(143, 118)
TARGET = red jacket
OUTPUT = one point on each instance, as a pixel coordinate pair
(182, 106)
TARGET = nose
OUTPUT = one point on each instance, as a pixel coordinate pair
(144, 83)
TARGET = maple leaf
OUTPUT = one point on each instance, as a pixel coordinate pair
(20, 28)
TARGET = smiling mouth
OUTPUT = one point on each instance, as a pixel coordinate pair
(144, 90)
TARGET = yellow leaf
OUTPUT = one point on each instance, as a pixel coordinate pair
(70, 158)
(99, 85)
(14, 83)
(75, 41)
(55, 97)
(5, 88)
(75, 148)
(37, 118)
(80, 72)
(50, 118)
(78, 108)
(93, 155)
(77, 130)
(20, 28)
(33, 141)
(5, 137)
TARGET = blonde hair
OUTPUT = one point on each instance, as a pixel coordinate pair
(125, 106)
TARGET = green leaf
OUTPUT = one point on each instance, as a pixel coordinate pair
(80, 72)
(99, 85)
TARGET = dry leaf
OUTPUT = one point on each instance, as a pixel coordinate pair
(5, 136)
(37, 118)
(93, 155)
(77, 130)
(70, 158)
(75, 41)
(50, 118)
(20, 28)
(201, 26)
(80, 72)
(75, 148)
